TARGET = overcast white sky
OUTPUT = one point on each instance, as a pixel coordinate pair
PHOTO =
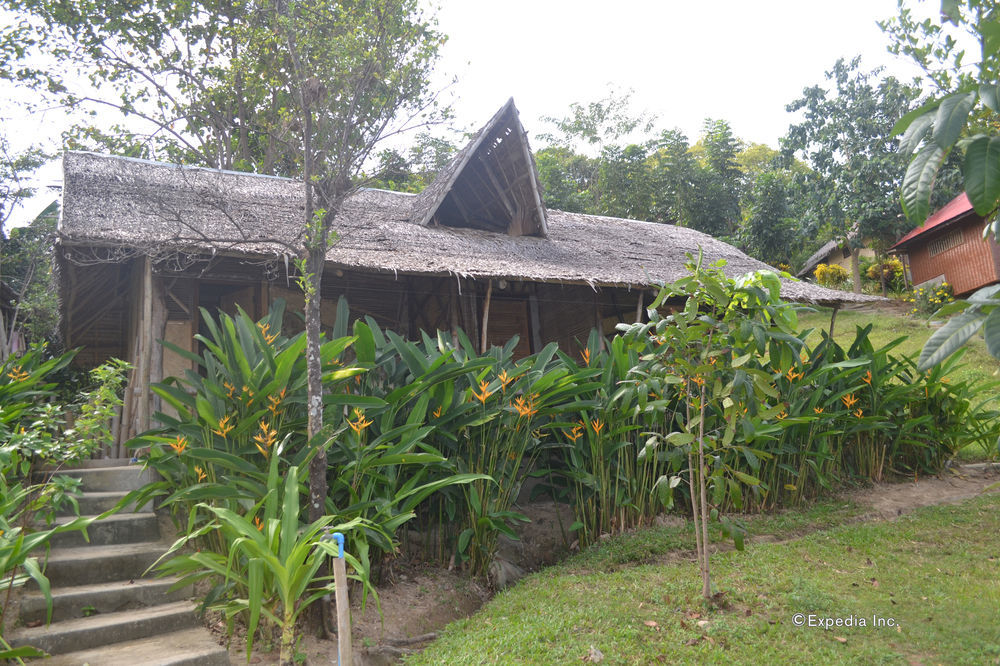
(733, 59)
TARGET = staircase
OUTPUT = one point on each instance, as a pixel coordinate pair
(104, 611)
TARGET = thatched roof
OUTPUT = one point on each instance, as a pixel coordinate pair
(490, 184)
(153, 207)
(816, 257)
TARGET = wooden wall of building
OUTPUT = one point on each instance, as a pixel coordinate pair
(957, 254)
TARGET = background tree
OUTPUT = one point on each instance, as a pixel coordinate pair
(844, 137)
(32, 310)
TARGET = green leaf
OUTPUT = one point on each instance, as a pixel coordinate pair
(981, 171)
(991, 38)
(919, 180)
(915, 133)
(991, 329)
(947, 339)
(908, 118)
(989, 93)
(950, 11)
(951, 116)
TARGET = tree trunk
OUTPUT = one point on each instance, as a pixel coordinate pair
(856, 269)
(314, 374)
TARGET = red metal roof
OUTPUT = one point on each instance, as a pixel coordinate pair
(955, 208)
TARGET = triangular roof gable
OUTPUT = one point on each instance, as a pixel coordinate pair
(491, 184)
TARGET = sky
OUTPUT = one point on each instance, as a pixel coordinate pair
(736, 60)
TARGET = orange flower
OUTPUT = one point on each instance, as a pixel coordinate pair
(849, 400)
(437, 412)
(585, 354)
(263, 331)
(597, 425)
(574, 434)
(867, 379)
(179, 444)
(525, 407)
(483, 392)
(16, 374)
(273, 406)
(504, 380)
(859, 413)
(259, 523)
(360, 423)
(818, 410)
(699, 380)
(781, 415)
(200, 472)
(229, 388)
(224, 427)
(792, 375)
(265, 439)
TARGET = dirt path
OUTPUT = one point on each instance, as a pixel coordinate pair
(954, 484)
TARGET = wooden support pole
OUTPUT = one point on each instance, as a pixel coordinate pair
(453, 311)
(536, 327)
(638, 308)
(486, 316)
(147, 343)
(833, 319)
(598, 321)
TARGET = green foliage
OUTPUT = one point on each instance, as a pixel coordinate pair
(928, 300)
(29, 436)
(26, 271)
(963, 114)
(831, 275)
(268, 568)
(844, 137)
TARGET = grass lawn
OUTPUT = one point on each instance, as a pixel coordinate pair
(932, 576)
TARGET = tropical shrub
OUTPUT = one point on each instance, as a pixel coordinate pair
(831, 275)
(928, 300)
(31, 435)
(889, 269)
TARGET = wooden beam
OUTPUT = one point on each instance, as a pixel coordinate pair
(833, 319)
(501, 190)
(486, 316)
(638, 307)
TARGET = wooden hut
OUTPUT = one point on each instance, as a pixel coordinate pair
(949, 247)
(142, 245)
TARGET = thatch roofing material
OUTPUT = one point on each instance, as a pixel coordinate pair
(154, 206)
(490, 184)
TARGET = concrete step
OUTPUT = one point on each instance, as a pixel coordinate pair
(119, 528)
(87, 464)
(89, 565)
(191, 647)
(87, 600)
(92, 504)
(96, 631)
(120, 478)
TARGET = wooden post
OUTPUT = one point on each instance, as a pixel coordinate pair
(344, 647)
(598, 321)
(147, 343)
(833, 318)
(486, 316)
(453, 311)
(158, 331)
(638, 308)
(536, 327)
